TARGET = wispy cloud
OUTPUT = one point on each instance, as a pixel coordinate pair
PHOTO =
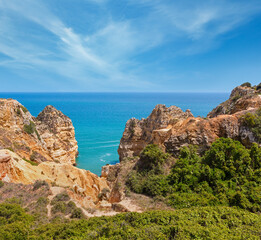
(107, 56)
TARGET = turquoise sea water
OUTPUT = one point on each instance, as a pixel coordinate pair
(99, 118)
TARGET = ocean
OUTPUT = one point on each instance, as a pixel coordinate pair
(99, 118)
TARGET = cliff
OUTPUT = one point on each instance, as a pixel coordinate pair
(171, 128)
(241, 98)
(154, 129)
(49, 137)
(44, 149)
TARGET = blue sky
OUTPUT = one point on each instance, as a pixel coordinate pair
(123, 46)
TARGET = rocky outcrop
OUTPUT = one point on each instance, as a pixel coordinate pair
(155, 128)
(49, 137)
(241, 98)
(171, 128)
(57, 132)
(83, 185)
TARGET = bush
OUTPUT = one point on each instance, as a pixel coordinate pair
(29, 128)
(152, 158)
(59, 207)
(246, 84)
(77, 213)
(253, 122)
(31, 162)
(1, 183)
(61, 197)
(40, 183)
(24, 109)
(228, 174)
(258, 87)
(193, 223)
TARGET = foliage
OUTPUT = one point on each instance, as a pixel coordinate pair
(246, 84)
(14, 222)
(147, 177)
(152, 158)
(40, 183)
(235, 98)
(228, 174)
(61, 197)
(18, 111)
(194, 223)
(31, 162)
(1, 183)
(77, 213)
(25, 110)
(253, 121)
(258, 87)
(29, 128)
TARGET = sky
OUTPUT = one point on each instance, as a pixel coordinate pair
(129, 45)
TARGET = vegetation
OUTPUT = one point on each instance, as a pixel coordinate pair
(253, 121)
(39, 183)
(31, 162)
(228, 174)
(18, 111)
(235, 98)
(246, 84)
(194, 223)
(29, 128)
(258, 87)
(25, 110)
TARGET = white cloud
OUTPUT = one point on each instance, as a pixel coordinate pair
(107, 55)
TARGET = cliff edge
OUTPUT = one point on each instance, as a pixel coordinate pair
(171, 128)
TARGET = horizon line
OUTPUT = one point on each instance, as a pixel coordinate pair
(108, 92)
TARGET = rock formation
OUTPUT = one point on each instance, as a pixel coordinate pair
(49, 137)
(171, 128)
(44, 148)
(241, 98)
(84, 186)
(155, 128)
(63, 147)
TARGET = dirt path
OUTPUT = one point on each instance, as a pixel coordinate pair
(54, 191)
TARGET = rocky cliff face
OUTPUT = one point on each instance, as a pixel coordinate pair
(154, 129)
(49, 137)
(83, 186)
(57, 132)
(241, 98)
(171, 128)
(44, 148)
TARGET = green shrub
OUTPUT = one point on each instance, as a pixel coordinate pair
(253, 122)
(235, 98)
(188, 223)
(18, 111)
(24, 109)
(193, 223)
(29, 128)
(246, 84)
(152, 158)
(61, 197)
(1, 183)
(40, 183)
(31, 162)
(59, 207)
(77, 213)
(228, 174)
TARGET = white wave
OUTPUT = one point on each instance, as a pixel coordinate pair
(104, 156)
